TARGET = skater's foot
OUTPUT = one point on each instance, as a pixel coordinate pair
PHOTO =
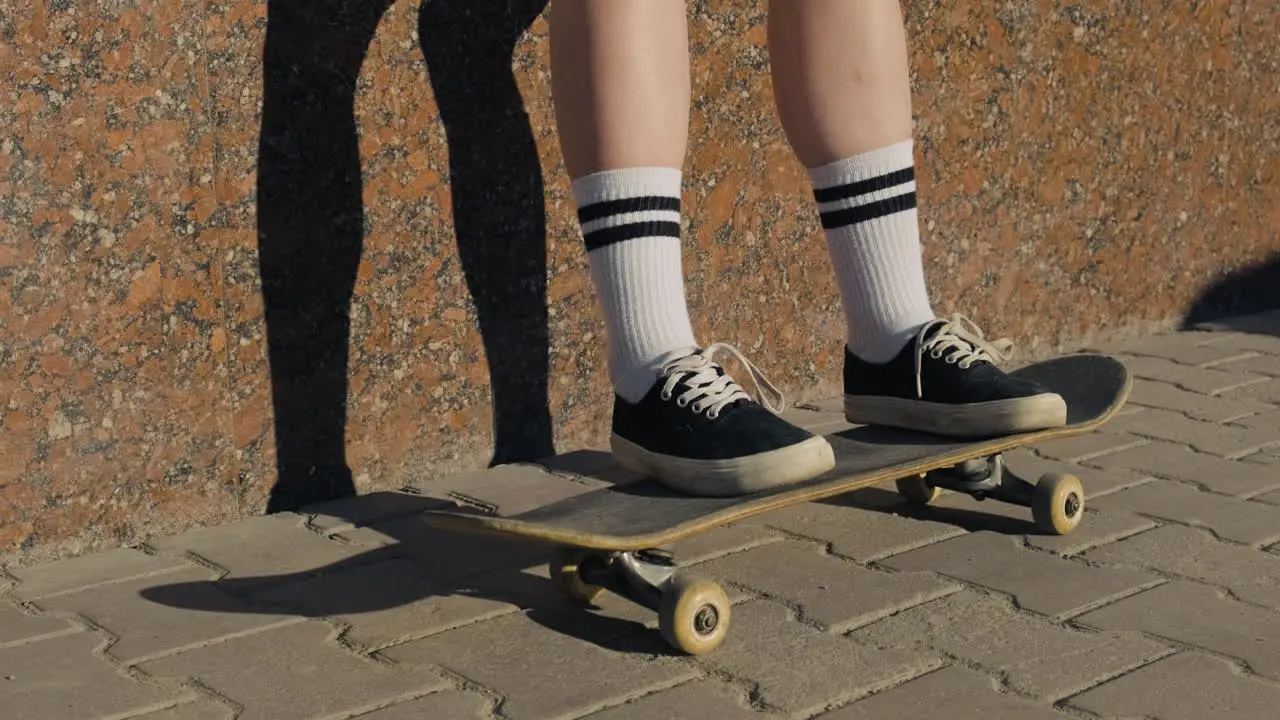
(945, 381)
(697, 431)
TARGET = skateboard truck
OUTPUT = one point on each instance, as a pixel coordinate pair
(1056, 501)
(693, 613)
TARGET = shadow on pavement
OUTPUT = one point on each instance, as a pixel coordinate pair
(409, 562)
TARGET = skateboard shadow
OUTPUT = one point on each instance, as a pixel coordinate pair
(410, 567)
(949, 509)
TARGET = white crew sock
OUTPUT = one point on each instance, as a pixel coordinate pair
(631, 226)
(868, 208)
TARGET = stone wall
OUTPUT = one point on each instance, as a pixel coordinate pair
(242, 242)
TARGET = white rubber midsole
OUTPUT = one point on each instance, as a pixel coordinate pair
(733, 476)
(996, 417)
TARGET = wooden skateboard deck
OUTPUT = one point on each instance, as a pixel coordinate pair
(641, 514)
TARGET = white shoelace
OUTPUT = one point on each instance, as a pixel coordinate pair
(709, 390)
(962, 342)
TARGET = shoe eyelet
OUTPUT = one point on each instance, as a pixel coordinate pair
(965, 364)
(712, 415)
(951, 360)
(935, 354)
(697, 407)
(665, 395)
(680, 401)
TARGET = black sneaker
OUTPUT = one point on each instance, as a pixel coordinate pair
(945, 381)
(697, 431)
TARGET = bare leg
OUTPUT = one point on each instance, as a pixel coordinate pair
(843, 90)
(621, 88)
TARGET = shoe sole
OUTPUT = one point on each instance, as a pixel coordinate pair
(730, 477)
(987, 419)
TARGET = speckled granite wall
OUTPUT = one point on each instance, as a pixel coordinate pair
(242, 241)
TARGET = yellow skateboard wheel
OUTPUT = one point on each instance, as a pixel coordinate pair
(694, 615)
(1058, 503)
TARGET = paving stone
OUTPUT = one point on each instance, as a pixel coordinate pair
(830, 592)
(543, 672)
(721, 541)
(1082, 447)
(953, 692)
(1225, 440)
(294, 671)
(1272, 498)
(272, 549)
(1202, 616)
(160, 614)
(700, 699)
(1037, 658)
(19, 627)
(1183, 347)
(1210, 408)
(1269, 420)
(198, 710)
(1229, 518)
(1252, 339)
(1177, 462)
(1185, 686)
(863, 525)
(87, 570)
(1253, 576)
(1096, 481)
(1265, 392)
(62, 678)
(1258, 364)
(445, 557)
(1262, 458)
(799, 670)
(510, 489)
(1207, 381)
(1039, 582)
(445, 705)
(393, 601)
(350, 513)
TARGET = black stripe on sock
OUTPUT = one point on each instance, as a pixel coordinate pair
(607, 208)
(862, 187)
(650, 228)
(862, 213)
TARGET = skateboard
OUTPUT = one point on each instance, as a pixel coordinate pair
(613, 534)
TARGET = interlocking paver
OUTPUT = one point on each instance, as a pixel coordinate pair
(1253, 576)
(1269, 420)
(1189, 377)
(699, 699)
(831, 592)
(445, 705)
(1262, 458)
(445, 557)
(1185, 686)
(1210, 408)
(1096, 481)
(1272, 498)
(1190, 348)
(1039, 582)
(543, 672)
(154, 615)
(1177, 462)
(1202, 616)
(19, 627)
(799, 670)
(350, 513)
(393, 601)
(198, 710)
(1218, 439)
(1082, 447)
(952, 692)
(1259, 364)
(294, 671)
(88, 570)
(1038, 658)
(261, 550)
(62, 678)
(855, 530)
(1258, 339)
(1229, 518)
(1265, 392)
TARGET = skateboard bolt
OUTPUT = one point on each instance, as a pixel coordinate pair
(706, 620)
(1073, 505)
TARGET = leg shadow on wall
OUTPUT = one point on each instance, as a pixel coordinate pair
(311, 221)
